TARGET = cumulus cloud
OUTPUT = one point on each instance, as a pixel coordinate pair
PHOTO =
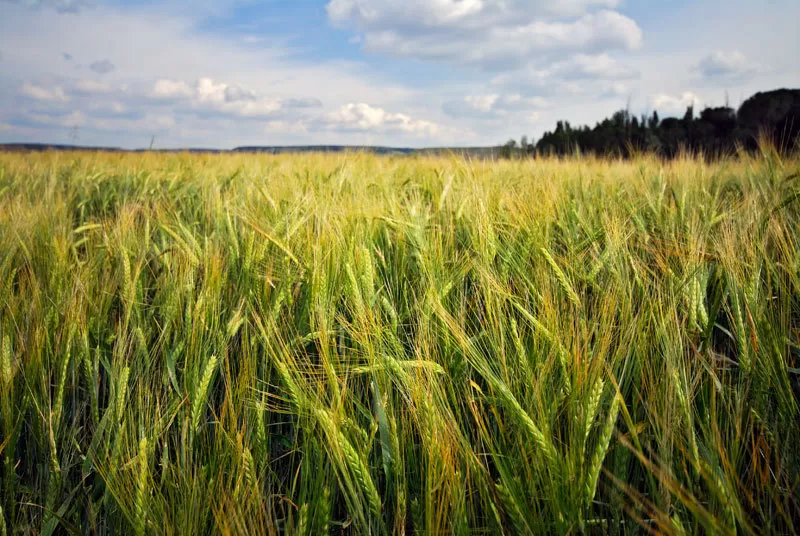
(62, 6)
(726, 65)
(672, 104)
(209, 95)
(494, 106)
(361, 117)
(489, 33)
(43, 94)
(102, 67)
(467, 13)
(171, 89)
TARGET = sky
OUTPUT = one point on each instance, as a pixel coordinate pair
(403, 73)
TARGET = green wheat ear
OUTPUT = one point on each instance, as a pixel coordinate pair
(360, 473)
(202, 390)
(323, 516)
(596, 462)
(6, 373)
(512, 508)
(142, 487)
(303, 524)
(561, 277)
(591, 409)
(2, 523)
(122, 393)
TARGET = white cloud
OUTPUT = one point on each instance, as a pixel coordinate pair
(39, 93)
(362, 117)
(727, 65)
(494, 106)
(208, 90)
(171, 89)
(671, 104)
(447, 13)
(489, 33)
(210, 95)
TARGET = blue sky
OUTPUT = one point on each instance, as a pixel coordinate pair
(385, 72)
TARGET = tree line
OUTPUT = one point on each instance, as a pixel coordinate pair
(716, 131)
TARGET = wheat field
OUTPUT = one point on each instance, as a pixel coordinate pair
(352, 344)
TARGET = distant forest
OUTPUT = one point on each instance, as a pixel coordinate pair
(715, 132)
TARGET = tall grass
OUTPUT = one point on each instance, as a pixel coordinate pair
(353, 344)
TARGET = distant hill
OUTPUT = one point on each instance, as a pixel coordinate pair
(21, 147)
(474, 152)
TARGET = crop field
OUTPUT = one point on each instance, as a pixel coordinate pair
(353, 344)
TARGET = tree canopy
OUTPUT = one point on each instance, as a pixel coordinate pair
(714, 132)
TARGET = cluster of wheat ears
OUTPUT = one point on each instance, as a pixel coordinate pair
(196, 344)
